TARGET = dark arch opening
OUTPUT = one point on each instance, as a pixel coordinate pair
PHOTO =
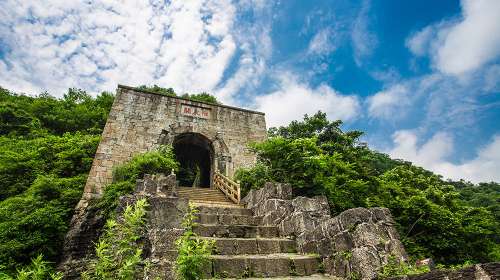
(195, 154)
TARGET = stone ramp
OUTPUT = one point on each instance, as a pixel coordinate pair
(245, 248)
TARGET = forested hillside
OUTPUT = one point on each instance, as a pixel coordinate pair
(47, 145)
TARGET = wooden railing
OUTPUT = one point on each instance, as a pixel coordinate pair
(230, 188)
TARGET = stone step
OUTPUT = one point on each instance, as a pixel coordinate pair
(236, 231)
(215, 204)
(201, 198)
(309, 277)
(233, 209)
(197, 190)
(214, 194)
(225, 219)
(251, 246)
(201, 193)
(271, 265)
(222, 198)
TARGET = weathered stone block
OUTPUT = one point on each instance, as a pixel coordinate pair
(349, 219)
(365, 262)
(317, 205)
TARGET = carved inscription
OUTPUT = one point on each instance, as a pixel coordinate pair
(193, 111)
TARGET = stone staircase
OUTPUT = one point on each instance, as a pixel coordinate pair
(205, 196)
(245, 248)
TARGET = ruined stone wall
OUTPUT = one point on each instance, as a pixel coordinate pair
(355, 244)
(140, 121)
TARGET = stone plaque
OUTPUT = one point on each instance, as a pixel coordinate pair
(193, 111)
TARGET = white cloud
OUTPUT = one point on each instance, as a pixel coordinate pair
(461, 46)
(389, 104)
(472, 42)
(255, 43)
(433, 155)
(322, 43)
(294, 99)
(364, 42)
(418, 43)
(55, 44)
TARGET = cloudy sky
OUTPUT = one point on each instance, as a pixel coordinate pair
(421, 78)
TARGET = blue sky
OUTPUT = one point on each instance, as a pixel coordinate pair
(420, 78)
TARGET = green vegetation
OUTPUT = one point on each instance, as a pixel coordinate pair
(46, 149)
(118, 252)
(434, 218)
(193, 252)
(38, 269)
(396, 268)
(47, 146)
(203, 97)
(125, 175)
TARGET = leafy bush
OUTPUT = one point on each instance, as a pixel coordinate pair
(193, 252)
(203, 97)
(46, 149)
(125, 175)
(38, 270)
(35, 223)
(395, 268)
(251, 178)
(118, 252)
(316, 157)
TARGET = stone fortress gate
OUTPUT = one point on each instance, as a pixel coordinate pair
(210, 141)
(206, 137)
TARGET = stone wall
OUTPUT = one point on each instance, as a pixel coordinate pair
(140, 121)
(163, 226)
(356, 243)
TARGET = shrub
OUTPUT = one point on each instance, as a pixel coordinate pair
(125, 175)
(397, 268)
(38, 270)
(119, 251)
(193, 252)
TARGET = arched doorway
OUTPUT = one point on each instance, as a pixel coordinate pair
(195, 154)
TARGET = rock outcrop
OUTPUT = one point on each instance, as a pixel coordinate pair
(164, 225)
(356, 243)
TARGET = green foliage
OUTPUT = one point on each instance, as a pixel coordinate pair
(125, 175)
(22, 160)
(46, 149)
(38, 270)
(202, 97)
(35, 223)
(396, 268)
(31, 116)
(119, 251)
(485, 195)
(252, 178)
(159, 90)
(193, 252)
(434, 219)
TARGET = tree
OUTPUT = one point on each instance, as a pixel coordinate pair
(316, 157)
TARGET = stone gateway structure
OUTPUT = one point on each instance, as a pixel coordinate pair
(215, 136)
